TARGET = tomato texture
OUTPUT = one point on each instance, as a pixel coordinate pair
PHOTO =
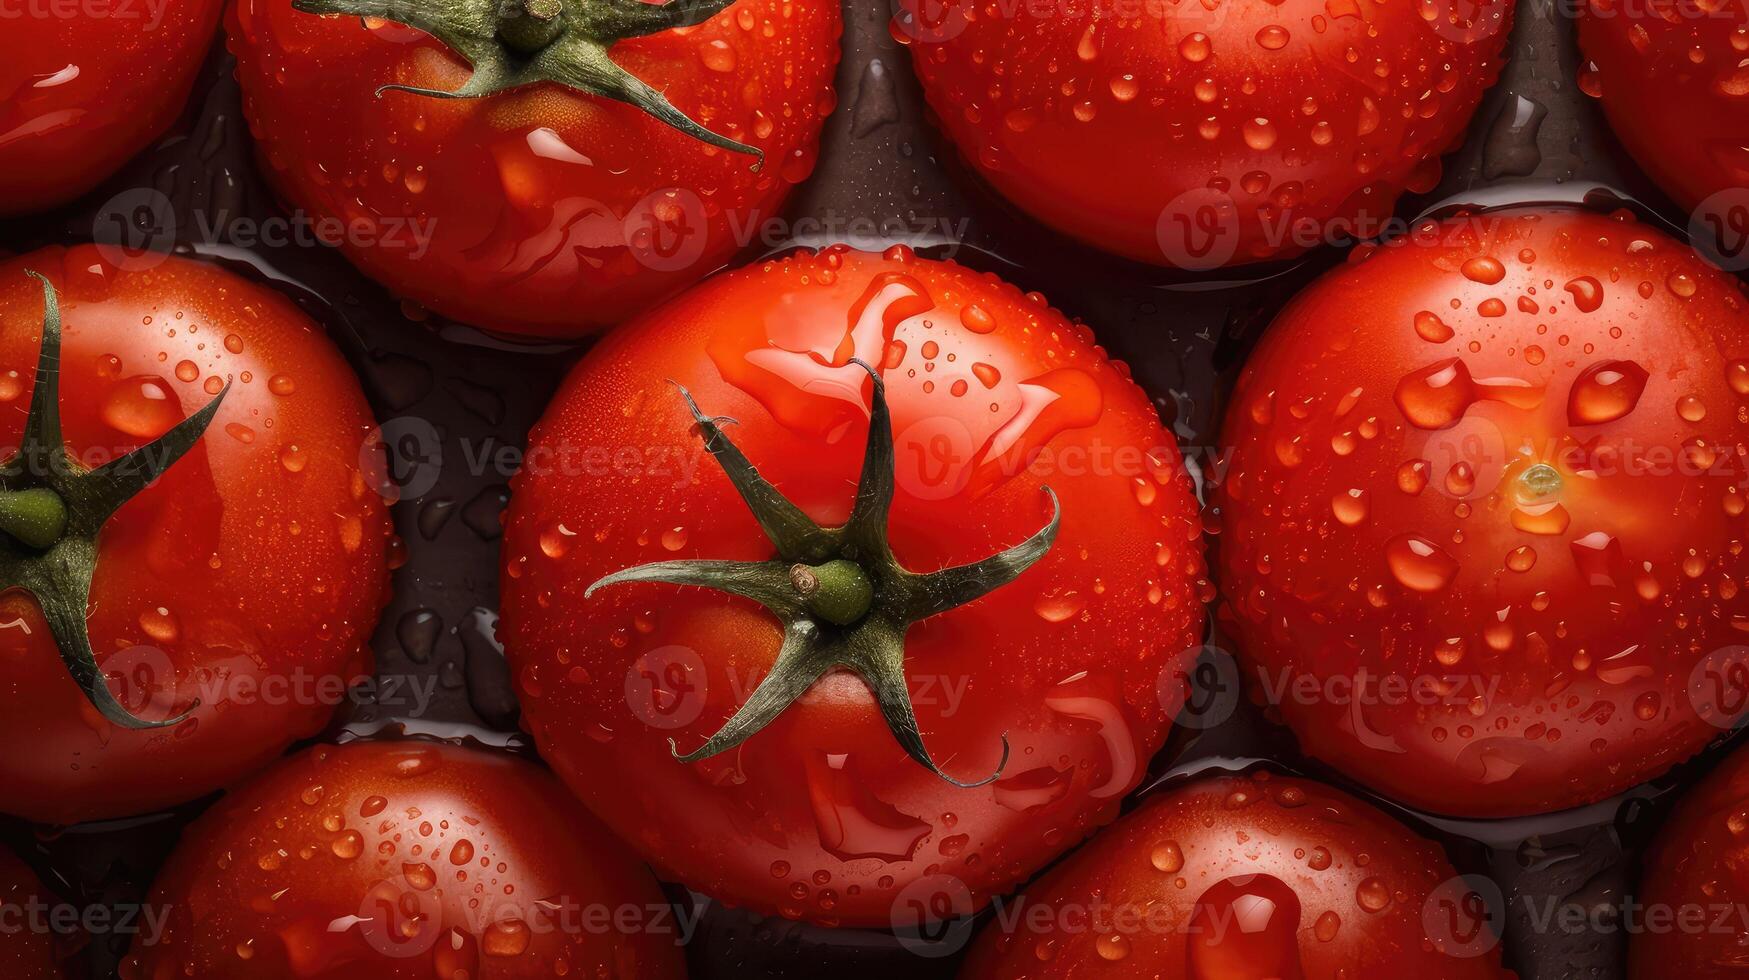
(992, 396)
(248, 577)
(1483, 523)
(1206, 134)
(27, 949)
(1694, 886)
(537, 211)
(404, 860)
(1671, 79)
(83, 88)
(1242, 877)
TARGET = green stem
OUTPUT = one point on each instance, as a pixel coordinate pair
(530, 25)
(838, 591)
(36, 517)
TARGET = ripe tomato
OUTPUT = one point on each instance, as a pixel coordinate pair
(1204, 134)
(85, 87)
(539, 211)
(395, 861)
(1640, 53)
(1695, 888)
(825, 814)
(27, 952)
(1241, 877)
(1490, 475)
(247, 578)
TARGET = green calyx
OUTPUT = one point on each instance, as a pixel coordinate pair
(515, 43)
(843, 599)
(36, 517)
(52, 509)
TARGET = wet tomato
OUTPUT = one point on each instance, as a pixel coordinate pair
(85, 87)
(1205, 134)
(955, 669)
(1694, 892)
(1483, 524)
(576, 187)
(405, 861)
(1246, 877)
(27, 947)
(227, 604)
(1641, 54)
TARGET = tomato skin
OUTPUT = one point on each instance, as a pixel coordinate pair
(484, 846)
(529, 213)
(1360, 881)
(81, 94)
(184, 604)
(1355, 540)
(821, 815)
(1692, 144)
(1148, 116)
(1693, 865)
(26, 953)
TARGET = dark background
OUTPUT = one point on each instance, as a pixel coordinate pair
(1535, 138)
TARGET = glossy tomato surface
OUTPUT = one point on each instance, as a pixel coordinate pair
(1483, 521)
(405, 861)
(993, 396)
(83, 87)
(1671, 78)
(248, 577)
(1244, 877)
(1694, 884)
(1205, 134)
(538, 212)
(27, 943)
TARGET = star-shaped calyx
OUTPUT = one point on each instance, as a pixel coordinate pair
(514, 43)
(844, 600)
(52, 509)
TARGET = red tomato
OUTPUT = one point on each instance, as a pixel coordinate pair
(540, 211)
(405, 861)
(993, 396)
(1205, 134)
(248, 577)
(1491, 474)
(1695, 890)
(1671, 79)
(83, 87)
(1241, 877)
(27, 950)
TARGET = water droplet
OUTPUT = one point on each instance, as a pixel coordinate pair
(1605, 392)
(1419, 564)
